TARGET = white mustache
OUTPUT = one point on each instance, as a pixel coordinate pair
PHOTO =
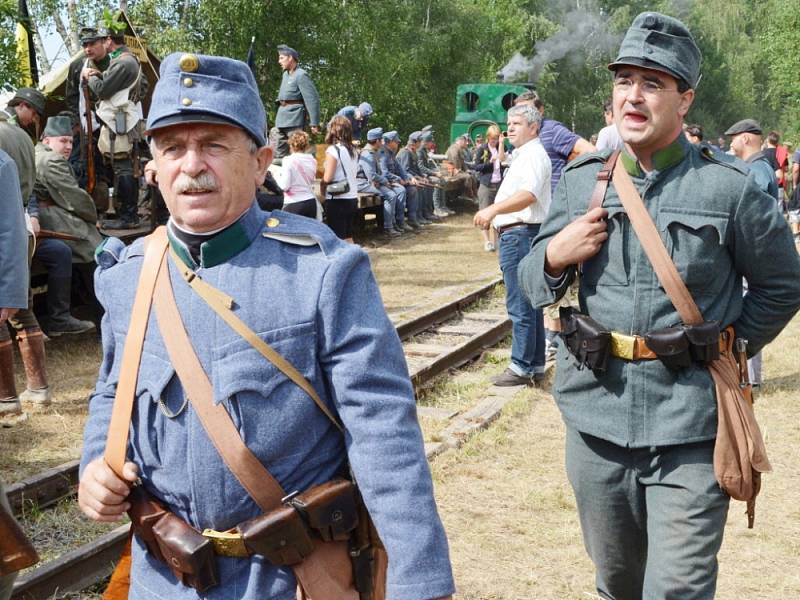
(205, 182)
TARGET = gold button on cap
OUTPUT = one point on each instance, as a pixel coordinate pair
(186, 102)
(188, 82)
(273, 222)
(189, 63)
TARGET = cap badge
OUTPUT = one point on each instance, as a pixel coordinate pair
(189, 63)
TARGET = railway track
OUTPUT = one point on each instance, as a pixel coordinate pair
(440, 339)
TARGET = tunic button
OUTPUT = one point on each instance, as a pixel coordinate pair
(188, 82)
(186, 102)
(273, 222)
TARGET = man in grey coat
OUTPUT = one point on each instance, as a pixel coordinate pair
(298, 101)
(640, 434)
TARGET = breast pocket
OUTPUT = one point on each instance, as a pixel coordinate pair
(695, 239)
(611, 265)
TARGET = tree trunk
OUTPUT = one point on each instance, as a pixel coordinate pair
(72, 47)
(41, 55)
(72, 15)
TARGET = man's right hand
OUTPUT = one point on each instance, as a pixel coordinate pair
(577, 242)
(102, 494)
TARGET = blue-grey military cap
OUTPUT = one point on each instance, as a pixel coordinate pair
(365, 108)
(87, 35)
(427, 128)
(414, 136)
(374, 134)
(198, 88)
(656, 41)
(391, 136)
(427, 136)
(286, 50)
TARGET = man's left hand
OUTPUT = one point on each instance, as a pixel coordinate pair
(483, 218)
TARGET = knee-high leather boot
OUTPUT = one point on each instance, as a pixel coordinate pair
(31, 347)
(9, 402)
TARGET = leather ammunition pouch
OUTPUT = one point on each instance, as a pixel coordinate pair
(330, 509)
(587, 340)
(280, 536)
(677, 347)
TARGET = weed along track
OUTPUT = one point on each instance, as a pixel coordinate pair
(447, 337)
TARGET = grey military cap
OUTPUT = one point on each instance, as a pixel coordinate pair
(374, 134)
(87, 35)
(286, 50)
(414, 136)
(391, 136)
(58, 127)
(745, 126)
(31, 96)
(656, 41)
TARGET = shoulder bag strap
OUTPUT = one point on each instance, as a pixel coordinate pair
(253, 476)
(117, 438)
(221, 304)
(603, 177)
(654, 248)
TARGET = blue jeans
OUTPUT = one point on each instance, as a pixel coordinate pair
(527, 323)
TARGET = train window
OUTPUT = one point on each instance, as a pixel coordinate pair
(471, 101)
(508, 100)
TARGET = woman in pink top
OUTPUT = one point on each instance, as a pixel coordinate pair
(298, 172)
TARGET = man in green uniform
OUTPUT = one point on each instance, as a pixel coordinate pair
(118, 90)
(298, 101)
(26, 110)
(640, 436)
(64, 208)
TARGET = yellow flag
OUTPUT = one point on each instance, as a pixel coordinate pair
(26, 54)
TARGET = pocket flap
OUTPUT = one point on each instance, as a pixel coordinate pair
(694, 219)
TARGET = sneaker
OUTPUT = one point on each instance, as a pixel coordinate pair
(407, 227)
(423, 221)
(432, 218)
(450, 211)
(440, 213)
(10, 407)
(40, 397)
(489, 246)
(509, 379)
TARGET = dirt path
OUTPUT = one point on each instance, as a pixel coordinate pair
(510, 513)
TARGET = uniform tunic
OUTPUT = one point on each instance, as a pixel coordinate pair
(63, 206)
(315, 301)
(718, 226)
(13, 239)
(297, 86)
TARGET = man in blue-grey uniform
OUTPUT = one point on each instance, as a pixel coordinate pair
(13, 278)
(298, 101)
(373, 180)
(407, 158)
(430, 169)
(640, 435)
(358, 117)
(398, 175)
(308, 295)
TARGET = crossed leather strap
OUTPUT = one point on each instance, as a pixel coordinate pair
(327, 572)
(739, 440)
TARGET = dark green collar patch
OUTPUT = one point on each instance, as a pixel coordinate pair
(662, 160)
(219, 249)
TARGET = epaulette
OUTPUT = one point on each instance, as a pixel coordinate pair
(726, 160)
(599, 156)
(298, 231)
(109, 252)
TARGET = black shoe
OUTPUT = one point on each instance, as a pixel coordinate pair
(391, 233)
(69, 326)
(509, 379)
(120, 224)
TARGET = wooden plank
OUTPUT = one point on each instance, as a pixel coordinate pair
(424, 349)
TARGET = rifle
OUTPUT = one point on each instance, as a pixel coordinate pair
(91, 177)
(57, 235)
(16, 550)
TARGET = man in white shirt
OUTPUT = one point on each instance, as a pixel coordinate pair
(608, 138)
(519, 208)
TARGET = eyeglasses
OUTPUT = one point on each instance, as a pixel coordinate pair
(648, 88)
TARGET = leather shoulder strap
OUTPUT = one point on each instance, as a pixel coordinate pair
(653, 245)
(221, 304)
(117, 439)
(603, 177)
(245, 466)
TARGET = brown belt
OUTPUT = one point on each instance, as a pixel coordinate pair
(504, 228)
(634, 347)
(288, 102)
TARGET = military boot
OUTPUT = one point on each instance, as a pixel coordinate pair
(127, 191)
(9, 402)
(60, 320)
(31, 348)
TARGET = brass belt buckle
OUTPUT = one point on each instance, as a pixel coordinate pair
(622, 345)
(227, 543)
